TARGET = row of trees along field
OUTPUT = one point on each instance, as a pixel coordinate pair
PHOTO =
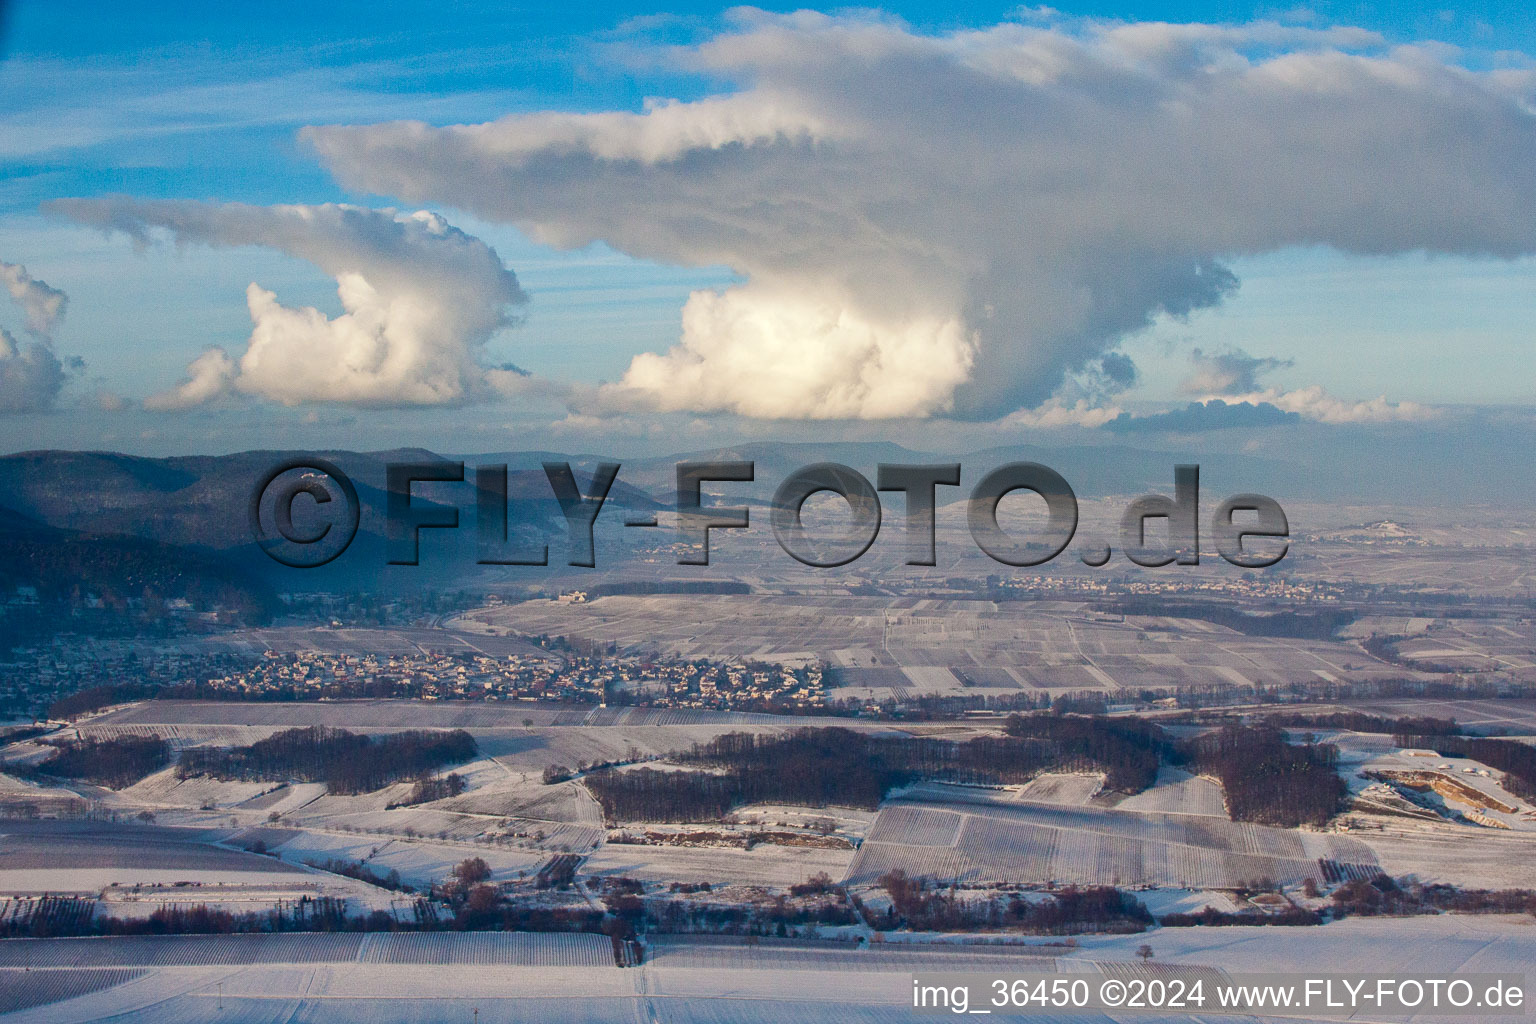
(822, 766)
(1359, 721)
(346, 762)
(919, 904)
(1266, 779)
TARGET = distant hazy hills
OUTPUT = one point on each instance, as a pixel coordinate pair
(202, 500)
(188, 515)
(113, 572)
(67, 518)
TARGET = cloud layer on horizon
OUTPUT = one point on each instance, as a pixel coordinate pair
(420, 299)
(954, 225)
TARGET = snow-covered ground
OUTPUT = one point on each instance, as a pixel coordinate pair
(135, 869)
(1178, 792)
(764, 864)
(973, 835)
(1061, 788)
(1189, 901)
(515, 978)
(847, 822)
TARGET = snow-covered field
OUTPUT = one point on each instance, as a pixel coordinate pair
(764, 864)
(848, 821)
(136, 868)
(1058, 788)
(164, 789)
(1458, 855)
(1059, 828)
(382, 979)
(977, 835)
(1178, 792)
(10, 784)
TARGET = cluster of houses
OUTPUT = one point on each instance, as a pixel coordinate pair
(1250, 586)
(38, 675)
(697, 683)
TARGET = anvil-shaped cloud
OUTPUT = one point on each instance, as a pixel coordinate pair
(952, 224)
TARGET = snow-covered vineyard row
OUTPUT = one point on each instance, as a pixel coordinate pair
(21, 988)
(180, 735)
(1180, 829)
(1177, 794)
(1089, 846)
(495, 948)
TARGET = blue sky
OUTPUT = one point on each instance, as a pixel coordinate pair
(206, 103)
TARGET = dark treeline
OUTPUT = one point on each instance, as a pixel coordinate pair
(1516, 760)
(934, 707)
(1358, 721)
(1080, 702)
(346, 762)
(917, 905)
(94, 698)
(1310, 625)
(362, 872)
(1384, 896)
(1210, 917)
(815, 902)
(646, 794)
(1266, 779)
(559, 872)
(113, 763)
(1315, 691)
(732, 917)
(1126, 749)
(820, 767)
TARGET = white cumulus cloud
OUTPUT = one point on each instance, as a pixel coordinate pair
(208, 376)
(420, 299)
(954, 224)
(31, 373)
(43, 305)
(780, 354)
